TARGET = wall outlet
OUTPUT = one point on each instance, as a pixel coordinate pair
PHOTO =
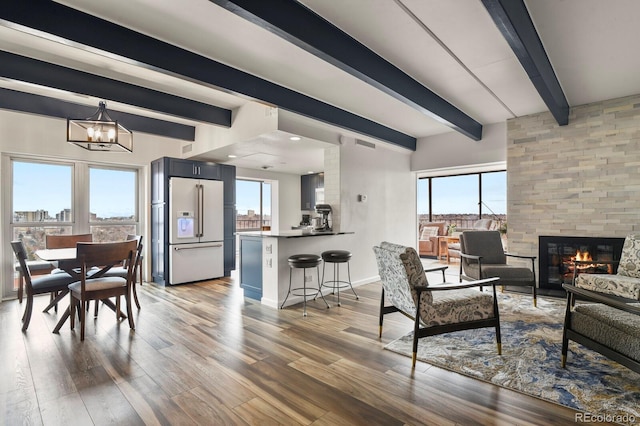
(268, 263)
(308, 278)
(268, 248)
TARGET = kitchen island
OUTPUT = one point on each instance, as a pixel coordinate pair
(264, 269)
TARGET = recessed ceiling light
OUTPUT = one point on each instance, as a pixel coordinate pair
(231, 156)
(295, 138)
(310, 172)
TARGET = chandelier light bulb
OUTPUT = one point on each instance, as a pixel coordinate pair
(111, 135)
(90, 134)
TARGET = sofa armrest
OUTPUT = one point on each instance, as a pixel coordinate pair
(614, 302)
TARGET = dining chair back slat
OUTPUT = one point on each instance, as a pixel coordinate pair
(66, 241)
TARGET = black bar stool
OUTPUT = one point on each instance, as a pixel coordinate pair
(337, 257)
(304, 261)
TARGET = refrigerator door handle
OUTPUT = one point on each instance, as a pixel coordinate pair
(201, 210)
(192, 248)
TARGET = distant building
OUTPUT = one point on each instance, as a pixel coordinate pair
(64, 216)
(31, 216)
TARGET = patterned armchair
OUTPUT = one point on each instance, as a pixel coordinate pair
(610, 324)
(434, 309)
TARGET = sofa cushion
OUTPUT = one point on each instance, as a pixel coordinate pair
(455, 306)
(616, 329)
(618, 285)
(429, 231)
(630, 258)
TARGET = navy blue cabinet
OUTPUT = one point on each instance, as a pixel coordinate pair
(308, 186)
(194, 169)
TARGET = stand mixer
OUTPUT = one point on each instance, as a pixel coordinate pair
(324, 210)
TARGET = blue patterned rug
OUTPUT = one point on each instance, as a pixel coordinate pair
(530, 361)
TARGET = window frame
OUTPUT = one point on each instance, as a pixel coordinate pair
(81, 219)
(483, 210)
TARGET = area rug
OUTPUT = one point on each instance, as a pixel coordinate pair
(530, 361)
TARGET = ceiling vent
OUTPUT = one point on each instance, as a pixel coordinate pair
(365, 143)
(187, 148)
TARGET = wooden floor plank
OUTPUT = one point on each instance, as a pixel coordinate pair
(203, 354)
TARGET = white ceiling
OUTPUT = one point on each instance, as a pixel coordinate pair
(451, 47)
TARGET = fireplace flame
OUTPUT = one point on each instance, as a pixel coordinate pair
(583, 256)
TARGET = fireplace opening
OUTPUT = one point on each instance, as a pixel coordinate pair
(557, 254)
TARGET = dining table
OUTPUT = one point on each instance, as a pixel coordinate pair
(67, 261)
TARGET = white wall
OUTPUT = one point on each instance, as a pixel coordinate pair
(451, 150)
(389, 214)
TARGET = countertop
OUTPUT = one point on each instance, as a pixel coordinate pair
(296, 233)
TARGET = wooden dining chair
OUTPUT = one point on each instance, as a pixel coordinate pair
(121, 271)
(64, 241)
(97, 286)
(51, 283)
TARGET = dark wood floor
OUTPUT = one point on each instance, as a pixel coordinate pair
(202, 354)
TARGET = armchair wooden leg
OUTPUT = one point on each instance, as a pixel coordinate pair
(381, 314)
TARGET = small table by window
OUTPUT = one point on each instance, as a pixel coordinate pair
(443, 247)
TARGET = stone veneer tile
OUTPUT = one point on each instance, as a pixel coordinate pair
(580, 179)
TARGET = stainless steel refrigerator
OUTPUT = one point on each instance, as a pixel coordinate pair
(196, 230)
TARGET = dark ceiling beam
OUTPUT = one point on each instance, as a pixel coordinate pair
(301, 26)
(514, 22)
(51, 107)
(62, 21)
(45, 74)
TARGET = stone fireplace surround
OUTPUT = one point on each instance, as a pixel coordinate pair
(580, 180)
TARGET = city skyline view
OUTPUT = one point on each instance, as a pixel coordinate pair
(48, 187)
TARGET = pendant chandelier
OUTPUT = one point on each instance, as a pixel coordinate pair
(99, 132)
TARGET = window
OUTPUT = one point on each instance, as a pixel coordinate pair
(253, 204)
(112, 203)
(42, 202)
(42, 192)
(50, 197)
(461, 200)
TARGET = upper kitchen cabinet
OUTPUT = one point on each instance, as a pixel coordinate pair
(309, 186)
(194, 169)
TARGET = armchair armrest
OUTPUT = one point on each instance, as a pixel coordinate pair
(602, 298)
(470, 256)
(458, 286)
(519, 256)
(436, 269)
